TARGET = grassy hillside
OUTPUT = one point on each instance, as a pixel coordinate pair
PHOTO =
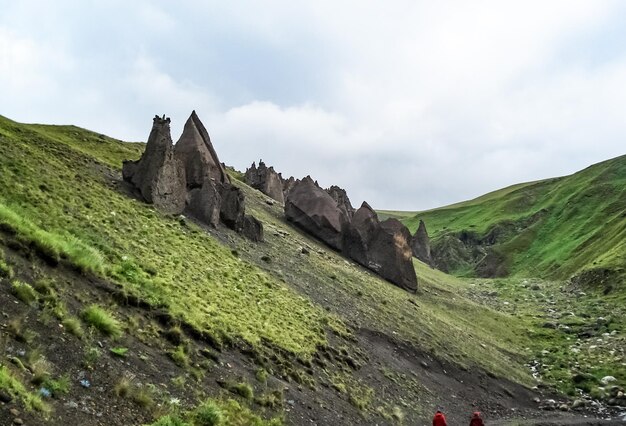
(552, 228)
(286, 312)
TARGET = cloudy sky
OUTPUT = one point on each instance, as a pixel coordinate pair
(406, 104)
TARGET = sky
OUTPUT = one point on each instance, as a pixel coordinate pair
(408, 105)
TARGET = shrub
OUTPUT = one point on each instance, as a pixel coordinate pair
(102, 320)
(208, 414)
(170, 420)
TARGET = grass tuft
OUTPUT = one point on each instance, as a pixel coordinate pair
(102, 320)
(24, 292)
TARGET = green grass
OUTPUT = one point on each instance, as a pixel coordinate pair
(102, 320)
(73, 326)
(11, 384)
(53, 246)
(24, 292)
(6, 271)
(54, 195)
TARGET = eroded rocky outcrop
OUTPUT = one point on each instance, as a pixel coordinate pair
(188, 178)
(195, 150)
(390, 255)
(383, 247)
(158, 175)
(420, 244)
(288, 184)
(266, 180)
(341, 198)
(315, 211)
(359, 234)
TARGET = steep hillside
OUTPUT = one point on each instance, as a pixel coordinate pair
(554, 228)
(114, 313)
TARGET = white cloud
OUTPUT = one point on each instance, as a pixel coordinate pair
(406, 104)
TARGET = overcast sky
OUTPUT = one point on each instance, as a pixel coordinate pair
(406, 104)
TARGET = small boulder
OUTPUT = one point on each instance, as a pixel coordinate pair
(252, 228)
(607, 379)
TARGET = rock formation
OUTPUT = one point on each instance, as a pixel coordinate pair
(195, 150)
(204, 202)
(233, 208)
(341, 198)
(266, 180)
(390, 255)
(287, 185)
(359, 234)
(189, 178)
(420, 244)
(315, 211)
(158, 174)
(383, 247)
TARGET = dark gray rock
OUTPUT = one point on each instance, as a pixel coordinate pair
(390, 255)
(359, 234)
(196, 152)
(382, 247)
(266, 180)
(420, 244)
(252, 228)
(5, 397)
(233, 208)
(314, 210)
(287, 185)
(158, 175)
(341, 198)
(204, 202)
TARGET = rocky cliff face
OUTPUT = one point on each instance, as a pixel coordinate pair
(188, 177)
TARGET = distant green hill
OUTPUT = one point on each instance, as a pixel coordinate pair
(554, 228)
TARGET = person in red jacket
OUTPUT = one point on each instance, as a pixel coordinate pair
(476, 420)
(439, 419)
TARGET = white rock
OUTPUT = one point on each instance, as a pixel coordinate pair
(607, 379)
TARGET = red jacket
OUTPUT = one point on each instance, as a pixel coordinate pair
(476, 420)
(439, 419)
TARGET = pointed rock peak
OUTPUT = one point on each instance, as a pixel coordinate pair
(194, 148)
(421, 228)
(365, 205)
